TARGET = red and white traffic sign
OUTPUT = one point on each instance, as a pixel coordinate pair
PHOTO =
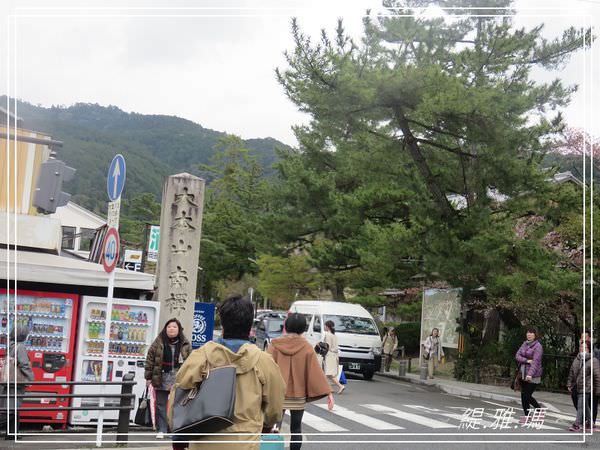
(110, 250)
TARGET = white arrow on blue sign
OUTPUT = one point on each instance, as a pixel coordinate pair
(115, 181)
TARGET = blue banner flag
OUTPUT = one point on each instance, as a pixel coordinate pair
(204, 323)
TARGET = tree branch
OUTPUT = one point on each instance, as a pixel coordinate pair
(435, 129)
(456, 151)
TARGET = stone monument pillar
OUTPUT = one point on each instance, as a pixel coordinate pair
(179, 248)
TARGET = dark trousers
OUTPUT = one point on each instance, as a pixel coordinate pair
(10, 428)
(584, 408)
(387, 361)
(527, 400)
(162, 397)
(595, 401)
(180, 441)
(296, 428)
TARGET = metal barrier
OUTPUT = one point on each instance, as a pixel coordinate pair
(124, 408)
(556, 371)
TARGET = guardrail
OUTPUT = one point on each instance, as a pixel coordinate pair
(124, 408)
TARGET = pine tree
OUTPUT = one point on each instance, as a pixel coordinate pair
(422, 115)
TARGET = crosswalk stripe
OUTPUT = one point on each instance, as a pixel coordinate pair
(318, 423)
(454, 416)
(363, 419)
(459, 417)
(561, 416)
(556, 413)
(425, 421)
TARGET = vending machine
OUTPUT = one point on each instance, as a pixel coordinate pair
(50, 318)
(134, 325)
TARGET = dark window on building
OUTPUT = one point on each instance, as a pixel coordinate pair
(68, 239)
(85, 239)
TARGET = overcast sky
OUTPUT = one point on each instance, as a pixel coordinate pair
(212, 66)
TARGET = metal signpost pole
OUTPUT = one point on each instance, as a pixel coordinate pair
(104, 371)
(115, 182)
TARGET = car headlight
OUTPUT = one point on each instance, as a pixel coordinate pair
(377, 351)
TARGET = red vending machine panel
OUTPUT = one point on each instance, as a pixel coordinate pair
(50, 318)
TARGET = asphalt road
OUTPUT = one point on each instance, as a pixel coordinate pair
(389, 414)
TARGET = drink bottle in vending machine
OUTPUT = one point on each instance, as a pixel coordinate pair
(133, 327)
(49, 319)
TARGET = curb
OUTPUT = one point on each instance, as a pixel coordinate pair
(455, 390)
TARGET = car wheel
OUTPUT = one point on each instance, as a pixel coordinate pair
(368, 375)
(266, 346)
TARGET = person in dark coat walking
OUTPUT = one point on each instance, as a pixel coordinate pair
(529, 359)
(595, 351)
(166, 354)
(584, 374)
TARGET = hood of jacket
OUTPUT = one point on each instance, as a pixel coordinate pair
(289, 344)
(244, 360)
(586, 355)
(299, 367)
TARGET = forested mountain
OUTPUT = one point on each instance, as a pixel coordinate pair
(154, 146)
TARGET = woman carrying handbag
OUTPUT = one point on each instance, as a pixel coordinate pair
(529, 358)
(331, 361)
(165, 356)
(433, 352)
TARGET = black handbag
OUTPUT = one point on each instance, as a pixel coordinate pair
(143, 415)
(209, 406)
(322, 348)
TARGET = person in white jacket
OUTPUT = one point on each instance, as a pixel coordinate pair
(332, 361)
(433, 351)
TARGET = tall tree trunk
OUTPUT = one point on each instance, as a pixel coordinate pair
(337, 290)
(446, 210)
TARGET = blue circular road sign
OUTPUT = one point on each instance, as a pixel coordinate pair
(115, 181)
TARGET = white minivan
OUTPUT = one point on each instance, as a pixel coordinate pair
(358, 337)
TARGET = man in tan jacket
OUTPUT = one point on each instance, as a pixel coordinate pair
(260, 389)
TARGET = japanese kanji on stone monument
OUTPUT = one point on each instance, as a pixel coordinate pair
(181, 230)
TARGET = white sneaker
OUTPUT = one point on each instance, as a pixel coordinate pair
(160, 435)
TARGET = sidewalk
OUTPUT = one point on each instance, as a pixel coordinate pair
(553, 401)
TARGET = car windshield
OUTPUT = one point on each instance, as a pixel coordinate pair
(356, 325)
(274, 325)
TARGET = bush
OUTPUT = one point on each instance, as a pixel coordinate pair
(497, 359)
